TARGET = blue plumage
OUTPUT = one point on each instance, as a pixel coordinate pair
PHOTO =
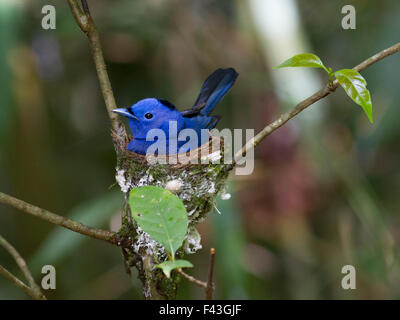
(154, 113)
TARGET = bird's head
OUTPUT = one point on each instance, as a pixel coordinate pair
(150, 114)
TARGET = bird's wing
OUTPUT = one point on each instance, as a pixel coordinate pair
(212, 91)
(190, 113)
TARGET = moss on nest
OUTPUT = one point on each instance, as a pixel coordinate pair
(197, 185)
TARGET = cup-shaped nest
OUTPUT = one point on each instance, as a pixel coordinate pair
(196, 177)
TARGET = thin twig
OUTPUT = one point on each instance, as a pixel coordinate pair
(78, 14)
(18, 259)
(58, 220)
(207, 286)
(329, 88)
(8, 275)
(210, 284)
(87, 25)
(193, 279)
(33, 289)
(85, 7)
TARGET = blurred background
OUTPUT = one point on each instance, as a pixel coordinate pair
(325, 189)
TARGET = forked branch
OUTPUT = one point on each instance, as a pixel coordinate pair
(32, 289)
(208, 286)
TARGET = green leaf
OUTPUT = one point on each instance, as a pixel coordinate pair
(168, 266)
(303, 60)
(161, 214)
(356, 88)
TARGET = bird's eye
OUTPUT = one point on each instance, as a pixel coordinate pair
(148, 115)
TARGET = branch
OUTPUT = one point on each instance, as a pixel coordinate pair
(59, 220)
(8, 275)
(207, 286)
(84, 20)
(18, 259)
(328, 89)
(193, 279)
(210, 284)
(33, 289)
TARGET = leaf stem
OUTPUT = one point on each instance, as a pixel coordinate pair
(331, 75)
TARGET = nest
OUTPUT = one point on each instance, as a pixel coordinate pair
(196, 177)
(210, 151)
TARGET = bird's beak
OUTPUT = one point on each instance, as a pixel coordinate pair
(125, 112)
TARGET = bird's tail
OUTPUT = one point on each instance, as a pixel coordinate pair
(214, 89)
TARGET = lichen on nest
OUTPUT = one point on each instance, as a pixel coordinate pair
(196, 184)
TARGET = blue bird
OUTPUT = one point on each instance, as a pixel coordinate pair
(152, 113)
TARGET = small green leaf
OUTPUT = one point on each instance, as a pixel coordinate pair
(303, 60)
(356, 88)
(168, 266)
(161, 214)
